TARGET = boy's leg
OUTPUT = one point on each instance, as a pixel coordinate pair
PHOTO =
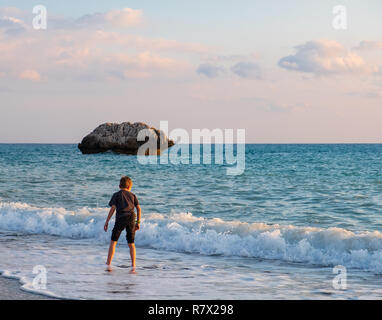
(111, 252)
(118, 227)
(130, 236)
(132, 254)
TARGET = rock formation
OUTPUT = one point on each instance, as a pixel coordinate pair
(123, 138)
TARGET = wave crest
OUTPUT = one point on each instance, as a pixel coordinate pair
(184, 232)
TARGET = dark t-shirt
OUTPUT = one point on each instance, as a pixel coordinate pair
(125, 201)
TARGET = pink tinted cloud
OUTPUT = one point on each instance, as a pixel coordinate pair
(125, 17)
(88, 53)
(324, 57)
(30, 74)
(144, 43)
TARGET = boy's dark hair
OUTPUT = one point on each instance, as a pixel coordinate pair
(125, 182)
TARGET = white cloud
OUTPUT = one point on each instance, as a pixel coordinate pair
(324, 57)
(88, 53)
(121, 18)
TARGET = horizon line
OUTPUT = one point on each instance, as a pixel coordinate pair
(259, 143)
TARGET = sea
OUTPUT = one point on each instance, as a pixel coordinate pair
(303, 221)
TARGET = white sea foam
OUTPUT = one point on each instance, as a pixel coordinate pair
(184, 232)
(27, 285)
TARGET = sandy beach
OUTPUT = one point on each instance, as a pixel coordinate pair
(10, 290)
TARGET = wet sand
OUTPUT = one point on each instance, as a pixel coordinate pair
(10, 290)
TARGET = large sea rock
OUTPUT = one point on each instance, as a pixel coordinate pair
(122, 138)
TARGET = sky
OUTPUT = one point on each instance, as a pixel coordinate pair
(285, 71)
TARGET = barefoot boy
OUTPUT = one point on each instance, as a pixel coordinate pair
(124, 202)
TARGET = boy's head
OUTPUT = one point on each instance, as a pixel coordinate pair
(125, 183)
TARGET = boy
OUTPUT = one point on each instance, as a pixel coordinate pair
(124, 202)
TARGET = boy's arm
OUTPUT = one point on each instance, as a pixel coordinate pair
(111, 212)
(138, 216)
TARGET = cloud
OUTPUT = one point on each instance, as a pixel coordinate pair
(29, 74)
(121, 18)
(369, 45)
(129, 40)
(89, 52)
(141, 65)
(325, 57)
(92, 47)
(247, 70)
(11, 25)
(238, 65)
(209, 70)
(88, 63)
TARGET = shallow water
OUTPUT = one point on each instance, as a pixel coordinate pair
(76, 270)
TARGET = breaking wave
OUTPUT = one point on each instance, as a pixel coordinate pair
(183, 232)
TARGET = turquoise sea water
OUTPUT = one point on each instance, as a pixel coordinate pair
(305, 185)
(316, 206)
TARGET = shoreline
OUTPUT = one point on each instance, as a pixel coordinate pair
(11, 290)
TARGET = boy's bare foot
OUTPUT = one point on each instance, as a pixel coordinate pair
(109, 268)
(132, 271)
